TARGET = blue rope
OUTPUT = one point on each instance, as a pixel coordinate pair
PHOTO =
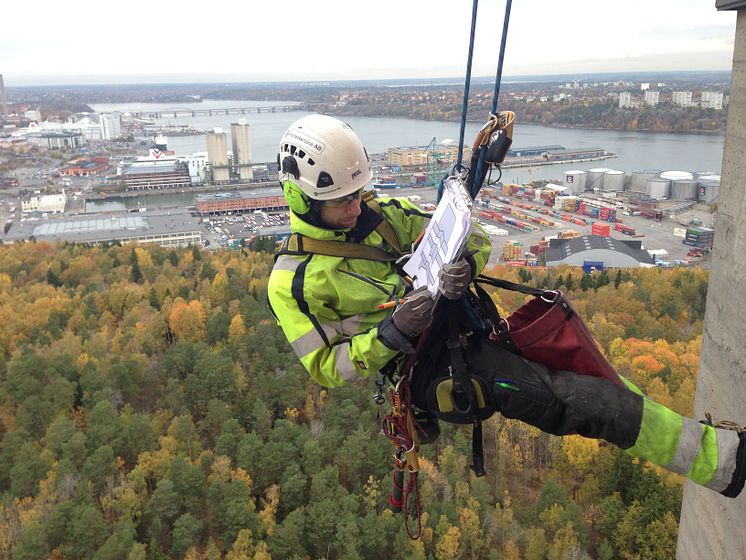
(503, 42)
(468, 82)
(498, 79)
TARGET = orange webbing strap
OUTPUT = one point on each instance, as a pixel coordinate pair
(300, 244)
(384, 227)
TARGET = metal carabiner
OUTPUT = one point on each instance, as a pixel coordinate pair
(554, 299)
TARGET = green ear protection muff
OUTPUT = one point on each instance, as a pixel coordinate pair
(296, 198)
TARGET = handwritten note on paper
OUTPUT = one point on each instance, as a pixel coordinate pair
(444, 237)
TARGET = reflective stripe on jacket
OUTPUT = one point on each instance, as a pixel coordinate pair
(327, 306)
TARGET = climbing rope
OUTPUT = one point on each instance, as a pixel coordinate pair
(478, 174)
(477, 165)
(467, 82)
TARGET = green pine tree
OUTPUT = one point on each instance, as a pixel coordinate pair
(135, 272)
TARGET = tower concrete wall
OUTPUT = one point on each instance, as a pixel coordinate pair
(217, 155)
(241, 138)
(711, 525)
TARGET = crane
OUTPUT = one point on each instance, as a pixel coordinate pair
(433, 169)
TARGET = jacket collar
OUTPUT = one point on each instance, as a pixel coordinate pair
(366, 223)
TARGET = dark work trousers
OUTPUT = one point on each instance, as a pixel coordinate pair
(564, 402)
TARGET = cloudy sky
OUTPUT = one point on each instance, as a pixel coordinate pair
(82, 41)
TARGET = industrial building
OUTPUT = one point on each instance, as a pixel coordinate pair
(241, 201)
(575, 154)
(594, 251)
(242, 149)
(198, 167)
(652, 184)
(62, 140)
(217, 155)
(111, 126)
(534, 151)
(418, 155)
(84, 167)
(172, 228)
(157, 174)
(69, 135)
(48, 203)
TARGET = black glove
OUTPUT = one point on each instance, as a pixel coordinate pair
(413, 316)
(407, 321)
(454, 278)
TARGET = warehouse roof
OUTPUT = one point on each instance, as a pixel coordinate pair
(253, 193)
(562, 249)
(105, 226)
(168, 167)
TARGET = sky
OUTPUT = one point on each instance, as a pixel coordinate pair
(82, 41)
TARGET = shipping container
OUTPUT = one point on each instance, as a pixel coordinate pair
(603, 230)
(651, 214)
(627, 230)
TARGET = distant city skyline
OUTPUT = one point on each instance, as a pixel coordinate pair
(338, 40)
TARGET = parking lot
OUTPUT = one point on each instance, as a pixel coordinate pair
(223, 231)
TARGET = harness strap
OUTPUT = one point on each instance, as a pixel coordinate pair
(462, 393)
(300, 244)
(384, 227)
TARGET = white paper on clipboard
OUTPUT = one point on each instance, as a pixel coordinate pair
(444, 237)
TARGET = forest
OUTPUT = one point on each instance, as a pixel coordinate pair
(581, 113)
(150, 408)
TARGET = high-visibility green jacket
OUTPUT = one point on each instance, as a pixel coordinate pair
(327, 306)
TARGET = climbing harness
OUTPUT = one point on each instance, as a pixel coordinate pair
(466, 400)
(408, 426)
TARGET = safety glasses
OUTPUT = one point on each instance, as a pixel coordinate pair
(343, 200)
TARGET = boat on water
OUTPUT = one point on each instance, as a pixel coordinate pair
(385, 183)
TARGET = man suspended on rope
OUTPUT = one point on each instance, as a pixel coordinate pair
(327, 306)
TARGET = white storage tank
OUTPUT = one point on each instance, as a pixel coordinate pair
(709, 188)
(698, 174)
(575, 181)
(658, 188)
(684, 189)
(614, 180)
(640, 176)
(676, 175)
(595, 178)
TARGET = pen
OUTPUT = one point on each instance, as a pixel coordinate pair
(392, 303)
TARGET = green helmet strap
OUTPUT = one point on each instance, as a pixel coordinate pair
(297, 200)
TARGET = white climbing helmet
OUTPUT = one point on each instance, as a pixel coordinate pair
(323, 157)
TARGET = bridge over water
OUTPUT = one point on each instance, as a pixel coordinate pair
(182, 112)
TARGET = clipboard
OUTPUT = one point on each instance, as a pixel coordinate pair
(444, 237)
